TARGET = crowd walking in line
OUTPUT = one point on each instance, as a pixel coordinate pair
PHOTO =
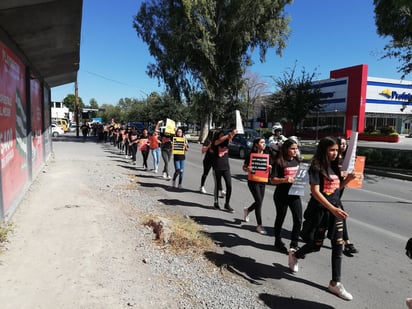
(276, 164)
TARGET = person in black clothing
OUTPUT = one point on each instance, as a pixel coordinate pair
(144, 147)
(324, 212)
(221, 167)
(166, 150)
(283, 176)
(207, 150)
(257, 188)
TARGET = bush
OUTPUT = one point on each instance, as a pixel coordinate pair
(390, 158)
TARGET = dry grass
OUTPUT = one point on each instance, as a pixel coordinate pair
(5, 229)
(185, 235)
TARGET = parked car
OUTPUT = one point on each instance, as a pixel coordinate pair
(56, 130)
(241, 144)
(72, 127)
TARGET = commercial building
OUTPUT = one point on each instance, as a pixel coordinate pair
(354, 101)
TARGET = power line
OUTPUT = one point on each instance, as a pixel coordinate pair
(109, 79)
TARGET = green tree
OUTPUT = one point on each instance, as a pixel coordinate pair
(93, 103)
(393, 18)
(297, 95)
(204, 46)
(70, 100)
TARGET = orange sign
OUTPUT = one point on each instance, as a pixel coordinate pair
(358, 170)
(260, 170)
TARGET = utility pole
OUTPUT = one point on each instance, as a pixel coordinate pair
(76, 107)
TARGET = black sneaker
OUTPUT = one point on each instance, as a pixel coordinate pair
(280, 247)
(350, 249)
(294, 245)
(228, 208)
(216, 205)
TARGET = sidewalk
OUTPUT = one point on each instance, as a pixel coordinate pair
(75, 244)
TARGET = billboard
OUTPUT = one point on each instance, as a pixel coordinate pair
(13, 126)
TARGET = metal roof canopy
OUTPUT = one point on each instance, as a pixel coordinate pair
(46, 35)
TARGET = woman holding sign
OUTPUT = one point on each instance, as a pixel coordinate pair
(180, 147)
(257, 166)
(283, 176)
(324, 212)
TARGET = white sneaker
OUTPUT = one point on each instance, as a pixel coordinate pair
(246, 214)
(222, 193)
(164, 175)
(340, 291)
(155, 170)
(169, 177)
(203, 190)
(261, 230)
(293, 261)
(180, 186)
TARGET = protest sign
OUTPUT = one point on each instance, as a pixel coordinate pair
(179, 145)
(260, 170)
(359, 167)
(349, 161)
(170, 126)
(301, 180)
(239, 125)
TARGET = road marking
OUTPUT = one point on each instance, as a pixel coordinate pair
(388, 196)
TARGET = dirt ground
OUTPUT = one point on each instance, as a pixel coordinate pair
(74, 245)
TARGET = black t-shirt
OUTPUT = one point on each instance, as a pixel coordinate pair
(221, 156)
(289, 170)
(328, 188)
(209, 152)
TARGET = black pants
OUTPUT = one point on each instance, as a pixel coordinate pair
(166, 156)
(282, 203)
(258, 192)
(133, 151)
(207, 165)
(336, 243)
(218, 184)
(145, 154)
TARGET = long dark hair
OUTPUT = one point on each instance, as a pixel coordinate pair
(321, 161)
(255, 143)
(283, 155)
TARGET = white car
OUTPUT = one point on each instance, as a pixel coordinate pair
(56, 130)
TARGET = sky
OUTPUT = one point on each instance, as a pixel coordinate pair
(326, 35)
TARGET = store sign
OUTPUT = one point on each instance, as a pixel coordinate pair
(393, 95)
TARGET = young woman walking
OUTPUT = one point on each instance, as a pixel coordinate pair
(283, 176)
(221, 167)
(257, 188)
(179, 160)
(324, 212)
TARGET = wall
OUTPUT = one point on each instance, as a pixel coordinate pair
(23, 130)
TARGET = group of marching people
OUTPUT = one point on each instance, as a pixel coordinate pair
(324, 215)
(130, 142)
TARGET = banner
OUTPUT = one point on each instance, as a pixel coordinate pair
(13, 126)
(349, 160)
(359, 167)
(170, 126)
(260, 170)
(179, 145)
(301, 180)
(239, 125)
